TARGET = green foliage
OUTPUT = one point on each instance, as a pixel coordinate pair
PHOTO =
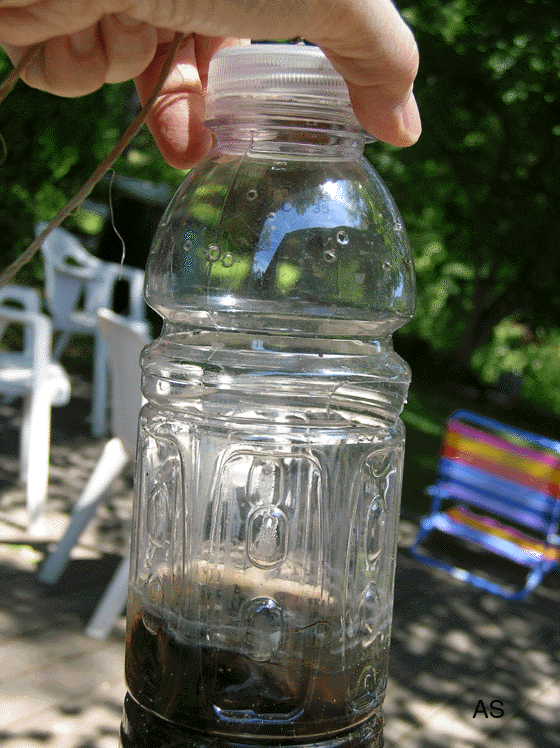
(52, 145)
(477, 192)
(542, 373)
(535, 357)
(506, 352)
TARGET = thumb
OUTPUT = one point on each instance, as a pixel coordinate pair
(394, 121)
(376, 53)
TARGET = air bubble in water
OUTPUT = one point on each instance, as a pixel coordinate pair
(342, 237)
(386, 265)
(228, 260)
(369, 683)
(329, 255)
(251, 195)
(213, 252)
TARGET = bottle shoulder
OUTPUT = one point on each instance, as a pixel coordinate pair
(283, 238)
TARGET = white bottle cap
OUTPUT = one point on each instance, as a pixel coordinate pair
(275, 71)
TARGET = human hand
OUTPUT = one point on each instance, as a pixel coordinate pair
(91, 42)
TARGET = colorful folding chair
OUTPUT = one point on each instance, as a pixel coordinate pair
(499, 488)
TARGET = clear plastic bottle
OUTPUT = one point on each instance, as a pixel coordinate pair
(270, 449)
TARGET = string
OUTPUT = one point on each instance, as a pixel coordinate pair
(103, 167)
(112, 215)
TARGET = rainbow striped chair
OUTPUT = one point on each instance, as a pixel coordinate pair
(499, 488)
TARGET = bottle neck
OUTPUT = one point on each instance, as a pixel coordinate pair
(286, 128)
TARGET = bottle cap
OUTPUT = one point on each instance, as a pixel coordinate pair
(275, 71)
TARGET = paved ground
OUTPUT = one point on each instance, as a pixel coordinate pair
(459, 656)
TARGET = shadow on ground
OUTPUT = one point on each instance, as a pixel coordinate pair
(468, 668)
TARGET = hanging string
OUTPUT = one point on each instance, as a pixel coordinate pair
(103, 167)
(112, 215)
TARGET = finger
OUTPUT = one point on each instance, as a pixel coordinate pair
(389, 114)
(206, 48)
(116, 49)
(69, 66)
(385, 108)
(130, 45)
(399, 125)
(177, 118)
(38, 21)
(379, 62)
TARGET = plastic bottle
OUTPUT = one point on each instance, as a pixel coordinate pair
(270, 449)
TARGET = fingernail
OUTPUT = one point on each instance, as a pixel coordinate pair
(412, 123)
(127, 21)
(83, 42)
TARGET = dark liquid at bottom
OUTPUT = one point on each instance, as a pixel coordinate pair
(142, 729)
(204, 696)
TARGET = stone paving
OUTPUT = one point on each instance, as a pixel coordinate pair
(467, 669)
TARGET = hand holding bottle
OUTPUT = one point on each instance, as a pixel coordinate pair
(91, 42)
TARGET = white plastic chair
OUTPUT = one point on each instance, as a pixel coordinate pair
(20, 297)
(125, 340)
(32, 374)
(73, 276)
